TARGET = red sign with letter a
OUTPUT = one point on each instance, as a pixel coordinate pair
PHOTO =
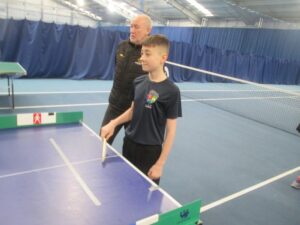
(37, 118)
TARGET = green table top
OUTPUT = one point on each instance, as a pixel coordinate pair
(12, 68)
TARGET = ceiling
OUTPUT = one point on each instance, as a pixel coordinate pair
(182, 13)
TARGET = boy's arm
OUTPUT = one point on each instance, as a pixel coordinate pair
(155, 171)
(108, 130)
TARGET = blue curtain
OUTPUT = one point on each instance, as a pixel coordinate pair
(259, 69)
(281, 44)
(65, 51)
(59, 51)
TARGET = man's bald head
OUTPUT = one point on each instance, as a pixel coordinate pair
(140, 28)
(145, 19)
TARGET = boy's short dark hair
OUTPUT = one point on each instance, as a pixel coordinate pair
(157, 40)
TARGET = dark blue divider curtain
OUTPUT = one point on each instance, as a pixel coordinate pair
(259, 69)
(59, 51)
(279, 44)
(65, 51)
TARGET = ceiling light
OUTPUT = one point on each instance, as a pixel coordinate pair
(121, 8)
(111, 7)
(80, 2)
(82, 11)
(200, 7)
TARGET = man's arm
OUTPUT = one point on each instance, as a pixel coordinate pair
(156, 170)
(108, 130)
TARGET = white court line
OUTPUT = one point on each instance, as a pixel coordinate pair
(76, 174)
(228, 99)
(55, 106)
(226, 90)
(106, 103)
(247, 190)
(56, 92)
(181, 90)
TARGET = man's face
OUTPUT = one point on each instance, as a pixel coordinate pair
(152, 58)
(139, 30)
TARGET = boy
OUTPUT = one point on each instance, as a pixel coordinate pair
(153, 112)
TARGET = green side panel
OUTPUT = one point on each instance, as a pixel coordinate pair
(186, 215)
(8, 121)
(11, 68)
(69, 117)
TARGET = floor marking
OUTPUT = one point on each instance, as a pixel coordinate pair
(57, 92)
(247, 190)
(56, 106)
(106, 92)
(75, 173)
(191, 99)
(227, 90)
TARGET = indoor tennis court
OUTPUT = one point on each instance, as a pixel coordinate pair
(237, 144)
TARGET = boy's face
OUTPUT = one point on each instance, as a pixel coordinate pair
(153, 58)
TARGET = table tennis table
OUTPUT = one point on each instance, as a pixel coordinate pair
(51, 173)
(10, 70)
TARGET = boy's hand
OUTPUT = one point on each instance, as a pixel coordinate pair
(107, 130)
(155, 172)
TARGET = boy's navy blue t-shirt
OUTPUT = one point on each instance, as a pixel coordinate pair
(154, 103)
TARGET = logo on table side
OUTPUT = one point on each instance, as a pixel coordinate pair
(184, 214)
(151, 98)
(37, 118)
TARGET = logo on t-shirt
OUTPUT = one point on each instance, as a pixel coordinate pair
(151, 98)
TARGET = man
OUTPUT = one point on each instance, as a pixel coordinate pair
(128, 67)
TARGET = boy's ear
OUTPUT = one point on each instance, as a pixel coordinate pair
(165, 57)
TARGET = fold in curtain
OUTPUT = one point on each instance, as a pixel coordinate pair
(49, 50)
(260, 69)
